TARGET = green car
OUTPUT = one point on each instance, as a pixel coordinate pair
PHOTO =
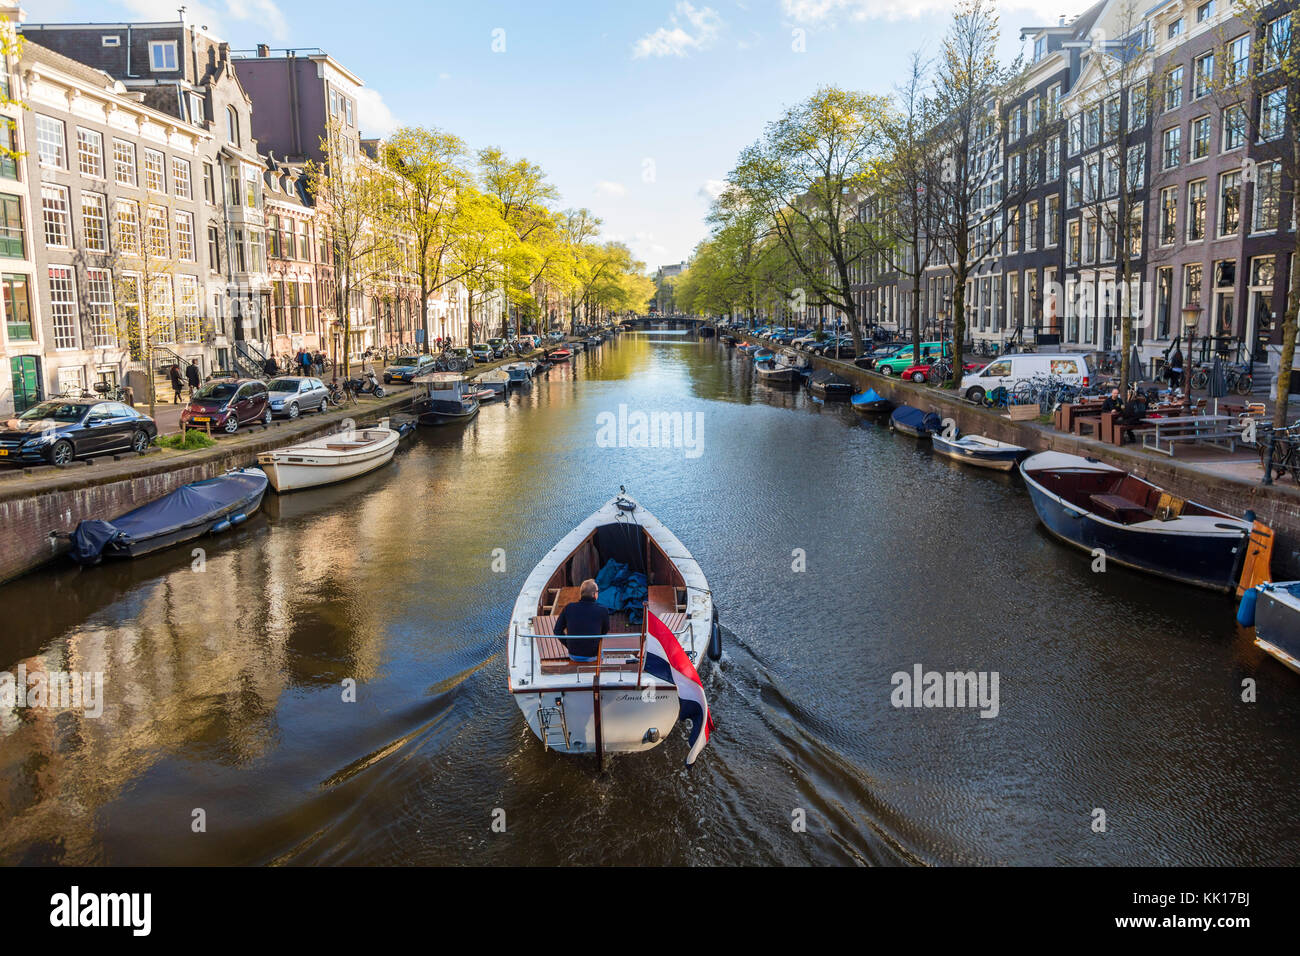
(904, 358)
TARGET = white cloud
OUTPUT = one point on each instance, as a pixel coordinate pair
(712, 188)
(218, 16)
(817, 12)
(376, 118)
(690, 30)
(607, 188)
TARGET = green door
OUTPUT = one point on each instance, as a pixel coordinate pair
(26, 381)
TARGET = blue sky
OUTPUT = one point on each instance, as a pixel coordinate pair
(636, 108)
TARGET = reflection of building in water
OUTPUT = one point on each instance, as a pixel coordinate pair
(190, 660)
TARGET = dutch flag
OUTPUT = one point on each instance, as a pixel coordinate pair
(665, 659)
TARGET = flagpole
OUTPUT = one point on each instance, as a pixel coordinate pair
(645, 609)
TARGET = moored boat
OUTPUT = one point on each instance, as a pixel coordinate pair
(1093, 505)
(826, 384)
(1273, 610)
(213, 505)
(772, 372)
(910, 420)
(559, 355)
(870, 402)
(496, 379)
(323, 461)
(979, 451)
(613, 704)
(445, 399)
(521, 373)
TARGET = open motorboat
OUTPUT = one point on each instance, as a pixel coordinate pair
(559, 355)
(771, 371)
(794, 360)
(446, 399)
(870, 402)
(521, 373)
(979, 450)
(213, 505)
(323, 461)
(612, 705)
(910, 420)
(1092, 505)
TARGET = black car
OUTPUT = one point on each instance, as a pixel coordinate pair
(62, 430)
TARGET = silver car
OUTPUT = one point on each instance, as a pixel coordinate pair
(291, 395)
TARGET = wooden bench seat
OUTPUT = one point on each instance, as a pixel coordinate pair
(1119, 508)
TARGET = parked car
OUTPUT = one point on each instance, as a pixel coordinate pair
(498, 347)
(1010, 369)
(871, 358)
(905, 357)
(840, 346)
(62, 430)
(482, 352)
(922, 373)
(805, 341)
(292, 395)
(406, 367)
(227, 404)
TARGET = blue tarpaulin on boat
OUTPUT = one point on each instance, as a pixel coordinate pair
(187, 505)
(621, 589)
(917, 419)
(869, 397)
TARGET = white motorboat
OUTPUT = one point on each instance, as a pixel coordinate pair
(497, 379)
(323, 461)
(611, 705)
(979, 450)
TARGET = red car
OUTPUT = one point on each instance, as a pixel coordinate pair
(228, 403)
(921, 373)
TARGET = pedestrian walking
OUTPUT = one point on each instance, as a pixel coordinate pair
(192, 376)
(1176, 369)
(178, 383)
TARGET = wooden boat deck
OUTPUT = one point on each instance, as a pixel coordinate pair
(554, 656)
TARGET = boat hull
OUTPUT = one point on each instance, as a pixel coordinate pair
(628, 718)
(998, 459)
(310, 472)
(1277, 623)
(1202, 560)
(243, 509)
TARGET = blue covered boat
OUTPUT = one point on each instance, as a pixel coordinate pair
(1091, 505)
(912, 421)
(870, 402)
(214, 505)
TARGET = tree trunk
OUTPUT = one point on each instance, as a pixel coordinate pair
(958, 322)
(1289, 328)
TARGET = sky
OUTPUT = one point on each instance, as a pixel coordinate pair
(636, 109)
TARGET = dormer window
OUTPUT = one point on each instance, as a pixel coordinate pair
(162, 56)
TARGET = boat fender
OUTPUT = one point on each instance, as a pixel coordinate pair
(715, 638)
(238, 519)
(220, 526)
(1246, 612)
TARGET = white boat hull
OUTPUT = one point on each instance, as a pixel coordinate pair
(289, 470)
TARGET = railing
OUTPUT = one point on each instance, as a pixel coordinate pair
(249, 360)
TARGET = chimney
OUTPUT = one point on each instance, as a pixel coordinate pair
(263, 50)
(1061, 23)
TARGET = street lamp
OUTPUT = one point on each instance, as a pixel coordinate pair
(1191, 324)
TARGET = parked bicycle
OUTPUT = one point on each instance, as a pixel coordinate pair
(1286, 450)
(1238, 378)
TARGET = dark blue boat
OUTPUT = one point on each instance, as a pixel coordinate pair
(1273, 610)
(216, 504)
(1091, 505)
(912, 421)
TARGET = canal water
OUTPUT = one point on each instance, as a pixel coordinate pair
(839, 554)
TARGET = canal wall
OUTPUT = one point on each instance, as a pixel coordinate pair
(38, 502)
(1276, 505)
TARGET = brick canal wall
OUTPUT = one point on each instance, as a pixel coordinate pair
(37, 501)
(1276, 505)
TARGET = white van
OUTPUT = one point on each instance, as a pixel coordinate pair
(1010, 369)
